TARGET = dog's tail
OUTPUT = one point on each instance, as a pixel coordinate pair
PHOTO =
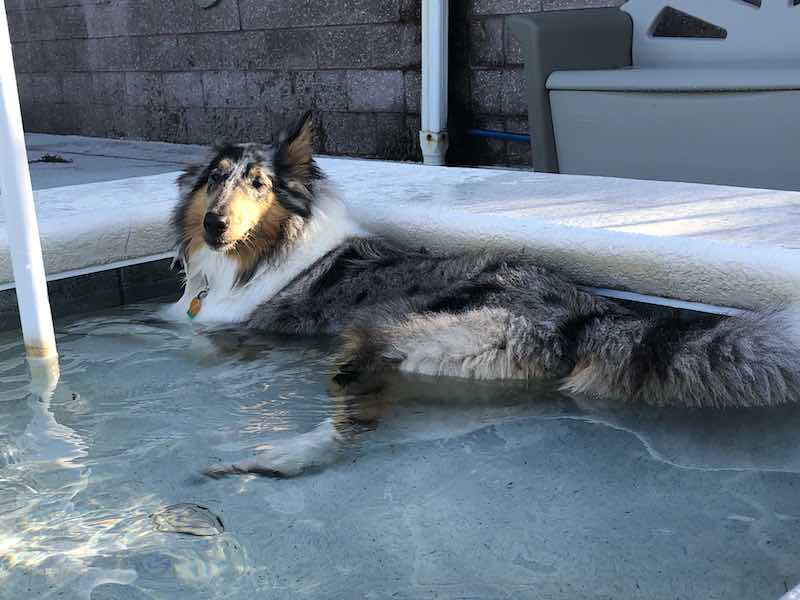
(752, 359)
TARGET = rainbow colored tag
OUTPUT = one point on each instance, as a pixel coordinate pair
(196, 304)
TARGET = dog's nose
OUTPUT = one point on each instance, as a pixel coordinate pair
(215, 224)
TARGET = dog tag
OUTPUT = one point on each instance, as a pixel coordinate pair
(196, 304)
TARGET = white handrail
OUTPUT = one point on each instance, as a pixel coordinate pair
(20, 214)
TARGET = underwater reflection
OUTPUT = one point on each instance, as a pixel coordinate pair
(56, 530)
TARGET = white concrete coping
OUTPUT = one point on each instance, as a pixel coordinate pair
(724, 246)
(100, 225)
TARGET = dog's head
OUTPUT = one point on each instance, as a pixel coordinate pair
(242, 200)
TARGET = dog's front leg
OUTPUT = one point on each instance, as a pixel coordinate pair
(356, 411)
(286, 458)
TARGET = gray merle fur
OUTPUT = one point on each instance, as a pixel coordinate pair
(367, 290)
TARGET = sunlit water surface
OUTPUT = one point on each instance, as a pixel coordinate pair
(504, 491)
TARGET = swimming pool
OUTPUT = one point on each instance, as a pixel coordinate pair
(474, 490)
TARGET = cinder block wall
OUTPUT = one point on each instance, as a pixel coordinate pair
(166, 70)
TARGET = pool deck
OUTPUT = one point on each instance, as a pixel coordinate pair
(727, 246)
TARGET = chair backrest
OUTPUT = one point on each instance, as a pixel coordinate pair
(736, 32)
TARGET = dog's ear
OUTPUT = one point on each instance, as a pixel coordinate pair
(298, 140)
(187, 181)
(295, 168)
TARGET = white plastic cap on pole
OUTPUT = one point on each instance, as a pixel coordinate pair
(20, 214)
(433, 138)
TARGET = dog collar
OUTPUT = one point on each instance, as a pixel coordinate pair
(196, 304)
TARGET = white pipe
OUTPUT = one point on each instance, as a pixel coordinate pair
(433, 137)
(20, 214)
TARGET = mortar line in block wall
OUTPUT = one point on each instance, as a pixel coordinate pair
(228, 32)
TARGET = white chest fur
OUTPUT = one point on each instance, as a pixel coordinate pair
(215, 272)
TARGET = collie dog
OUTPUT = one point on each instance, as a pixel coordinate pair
(265, 245)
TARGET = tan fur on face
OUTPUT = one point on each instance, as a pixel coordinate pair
(192, 234)
(254, 223)
(244, 213)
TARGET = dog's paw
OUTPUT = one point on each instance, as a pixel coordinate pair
(254, 466)
(288, 458)
(282, 460)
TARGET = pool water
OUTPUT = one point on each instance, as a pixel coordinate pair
(473, 490)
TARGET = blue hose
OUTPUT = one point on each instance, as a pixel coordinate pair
(500, 135)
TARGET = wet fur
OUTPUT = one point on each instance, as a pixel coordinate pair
(484, 315)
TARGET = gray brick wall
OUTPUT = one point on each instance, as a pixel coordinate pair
(165, 70)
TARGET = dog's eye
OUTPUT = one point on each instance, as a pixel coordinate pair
(257, 183)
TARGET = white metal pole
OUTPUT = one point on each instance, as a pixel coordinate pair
(20, 214)
(433, 138)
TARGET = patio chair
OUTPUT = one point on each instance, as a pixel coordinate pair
(686, 90)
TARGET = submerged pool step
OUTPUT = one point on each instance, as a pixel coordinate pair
(94, 290)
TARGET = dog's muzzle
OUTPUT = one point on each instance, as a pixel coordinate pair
(214, 227)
